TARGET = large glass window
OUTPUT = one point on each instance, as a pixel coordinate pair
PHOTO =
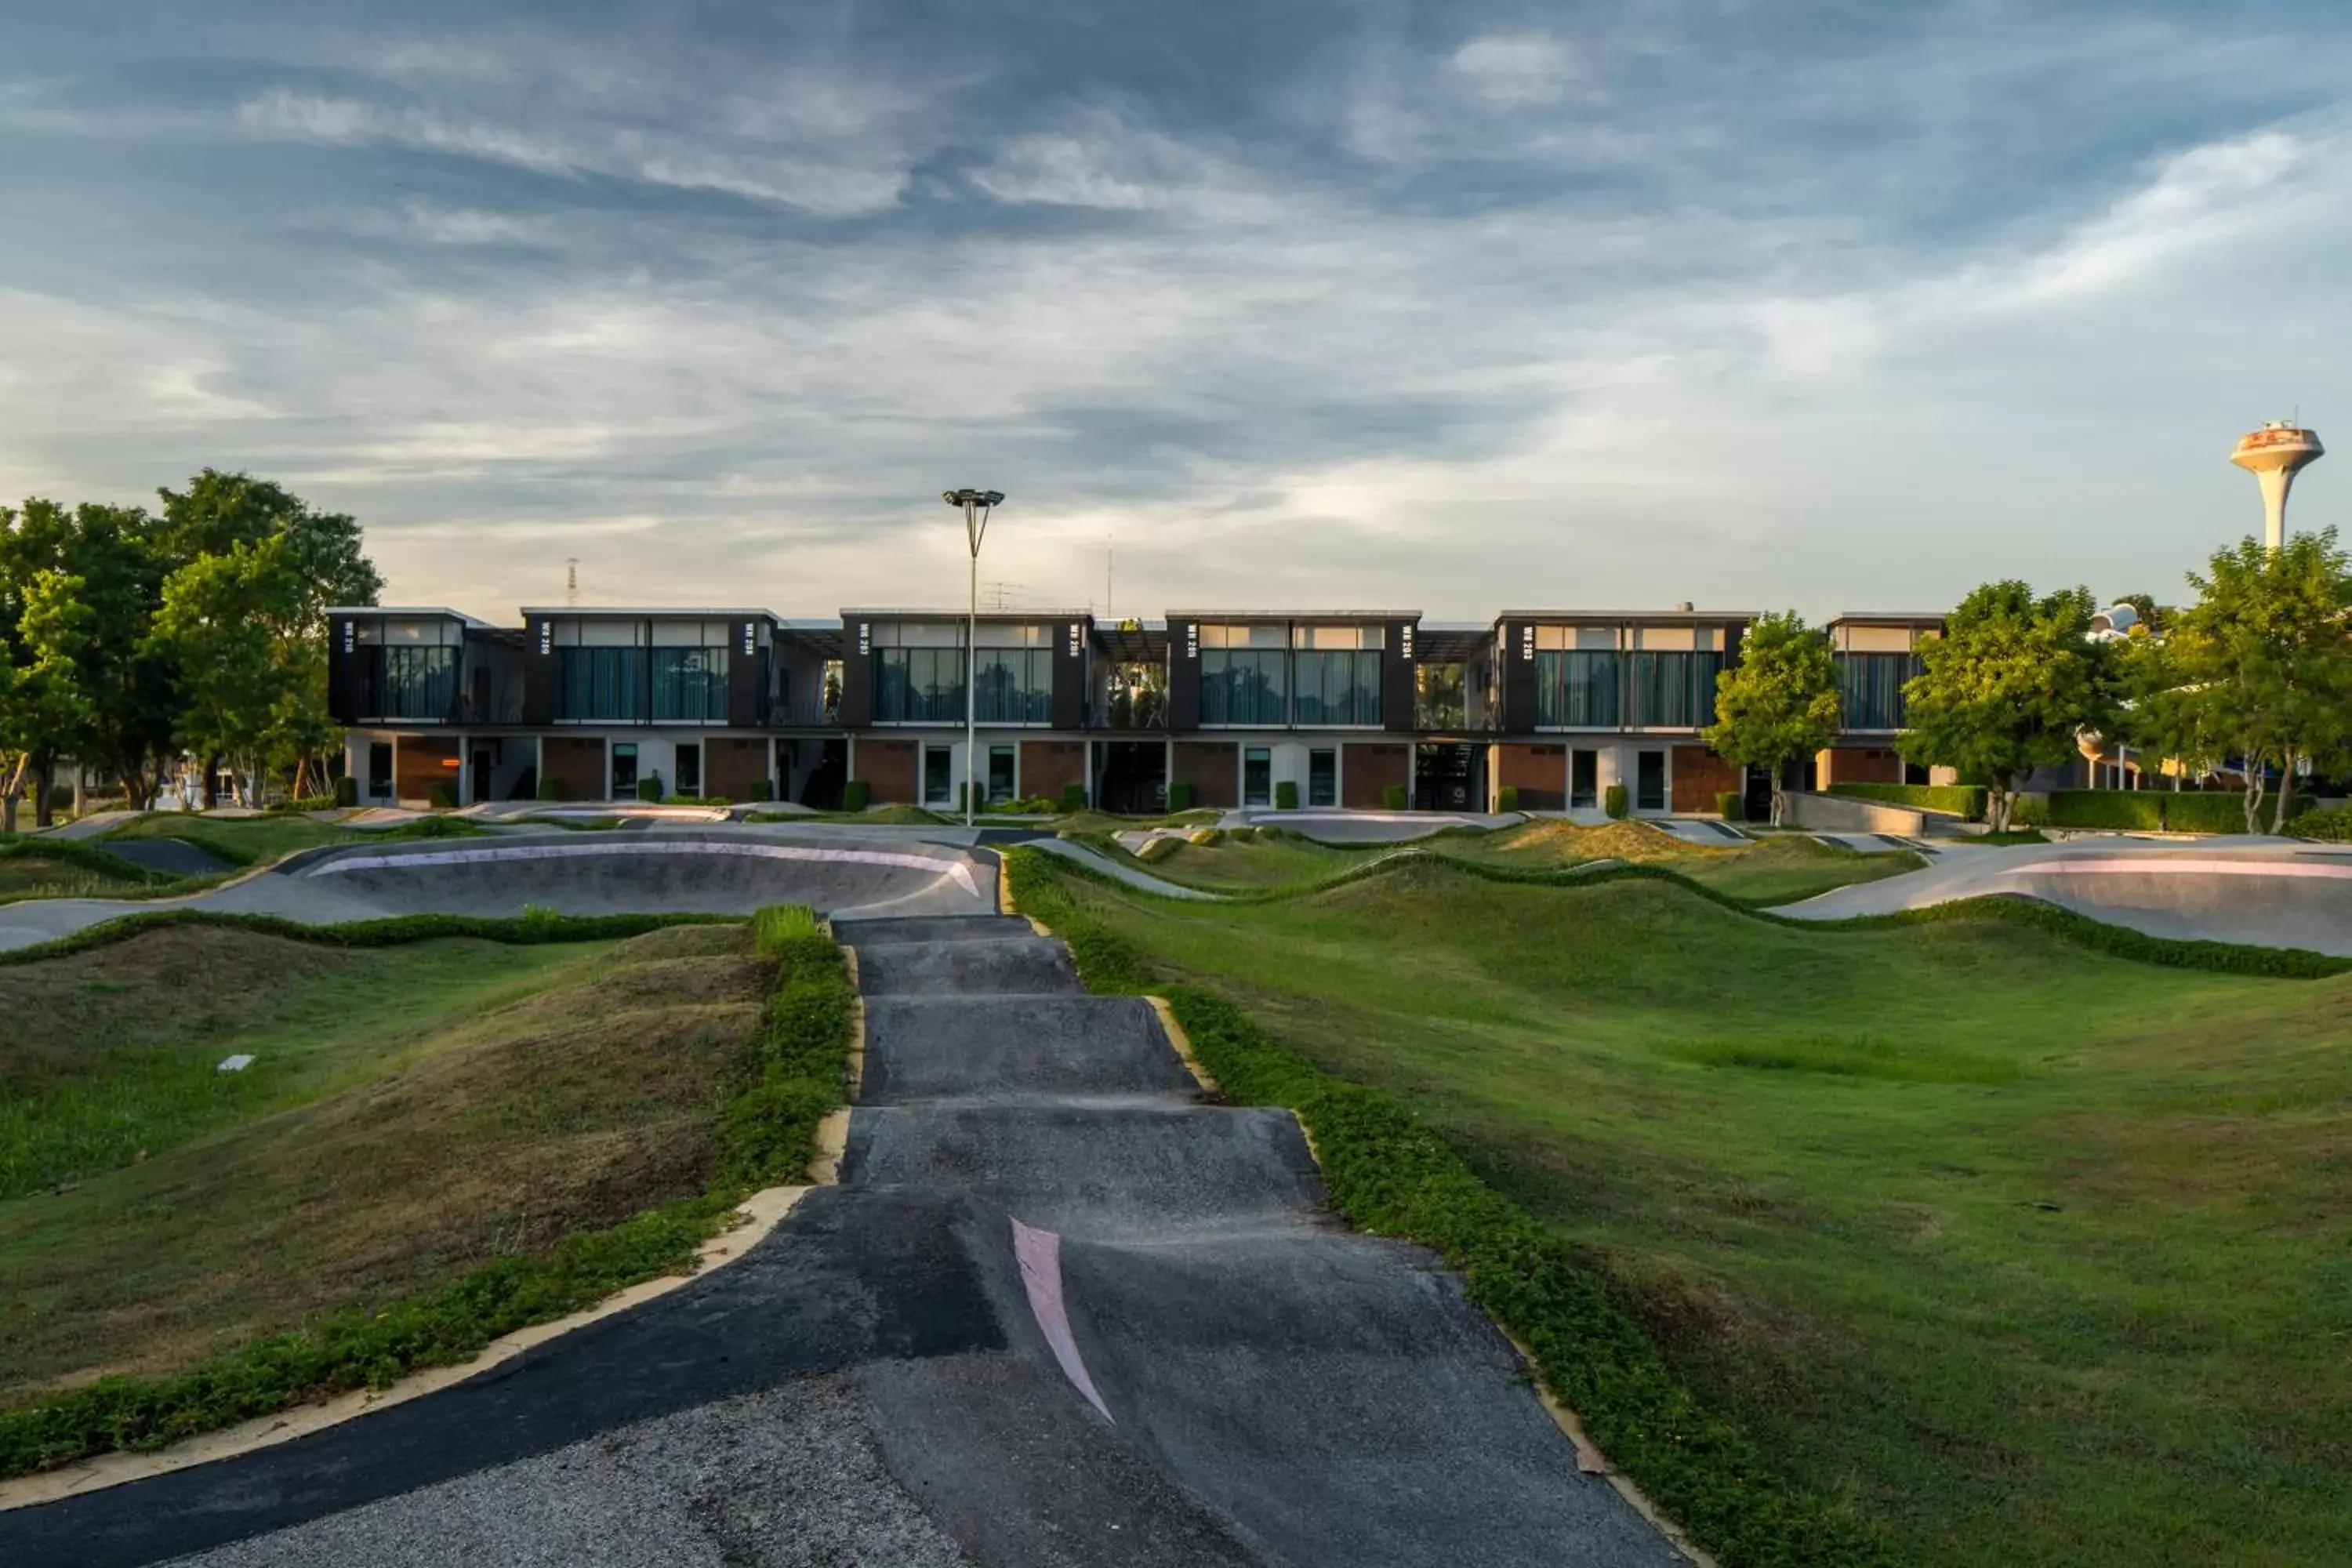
(918, 686)
(689, 685)
(1016, 685)
(1336, 687)
(419, 683)
(1575, 688)
(1245, 686)
(1675, 690)
(607, 683)
(1869, 688)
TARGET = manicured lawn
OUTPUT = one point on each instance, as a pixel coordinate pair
(2040, 1257)
(415, 1112)
(1273, 860)
(37, 876)
(239, 840)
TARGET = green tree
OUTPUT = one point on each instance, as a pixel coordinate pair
(2008, 687)
(1779, 702)
(2260, 668)
(322, 550)
(231, 624)
(43, 706)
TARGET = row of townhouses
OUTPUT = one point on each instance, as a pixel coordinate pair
(1347, 707)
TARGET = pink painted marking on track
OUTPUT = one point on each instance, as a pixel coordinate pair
(2176, 864)
(1039, 1253)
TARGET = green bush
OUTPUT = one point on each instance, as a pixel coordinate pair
(1508, 798)
(2328, 826)
(1073, 798)
(2136, 810)
(1392, 796)
(856, 794)
(1730, 805)
(649, 788)
(1617, 801)
(1966, 802)
(1179, 797)
(763, 789)
(549, 789)
(347, 791)
(1285, 795)
(2207, 812)
(441, 797)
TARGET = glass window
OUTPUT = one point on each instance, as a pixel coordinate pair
(938, 777)
(1577, 690)
(1257, 776)
(1869, 688)
(1001, 779)
(419, 683)
(690, 769)
(625, 768)
(1675, 690)
(1323, 777)
(1650, 782)
(1584, 778)
(918, 685)
(1245, 686)
(380, 769)
(1336, 687)
(1441, 696)
(1016, 685)
(689, 685)
(601, 683)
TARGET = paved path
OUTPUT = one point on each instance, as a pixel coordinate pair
(2269, 892)
(176, 856)
(1060, 1311)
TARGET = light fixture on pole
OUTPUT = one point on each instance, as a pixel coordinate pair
(976, 506)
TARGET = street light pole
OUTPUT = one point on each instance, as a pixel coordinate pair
(976, 506)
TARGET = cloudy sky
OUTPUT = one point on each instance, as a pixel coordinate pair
(1456, 306)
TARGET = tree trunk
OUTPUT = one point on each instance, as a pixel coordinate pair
(44, 782)
(2285, 792)
(211, 782)
(1997, 805)
(2253, 795)
(1780, 802)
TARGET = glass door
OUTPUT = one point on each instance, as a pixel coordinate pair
(690, 769)
(939, 775)
(1650, 782)
(1584, 779)
(1001, 777)
(1257, 776)
(624, 770)
(1323, 778)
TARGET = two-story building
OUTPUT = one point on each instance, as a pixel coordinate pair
(1876, 652)
(1583, 699)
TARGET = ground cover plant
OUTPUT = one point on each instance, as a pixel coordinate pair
(515, 1163)
(43, 867)
(1994, 1246)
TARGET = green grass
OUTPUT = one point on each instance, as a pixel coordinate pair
(259, 840)
(48, 867)
(498, 1176)
(1959, 1230)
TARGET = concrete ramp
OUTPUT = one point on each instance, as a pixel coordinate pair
(2265, 893)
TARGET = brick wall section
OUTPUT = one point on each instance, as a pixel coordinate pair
(1858, 764)
(417, 765)
(1047, 765)
(1699, 776)
(576, 763)
(1213, 770)
(1367, 770)
(1539, 773)
(732, 767)
(890, 768)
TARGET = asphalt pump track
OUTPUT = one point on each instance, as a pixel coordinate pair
(1060, 1310)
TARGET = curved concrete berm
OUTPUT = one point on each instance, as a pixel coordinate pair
(720, 871)
(1060, 1311)
(2265, 892)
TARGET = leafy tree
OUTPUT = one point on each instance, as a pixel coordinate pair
(322, 550)
(231, 624)
(43, 707)
(2260, 668)
(2008, 687)
(1779, 702)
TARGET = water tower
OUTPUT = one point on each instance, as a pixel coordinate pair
(2274, 455)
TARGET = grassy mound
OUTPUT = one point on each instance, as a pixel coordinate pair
(1958, 1240)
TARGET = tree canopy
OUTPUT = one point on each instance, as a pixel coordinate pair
(1778, 703)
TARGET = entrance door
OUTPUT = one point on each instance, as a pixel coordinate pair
(1584, 779)
(939, 775)
(689, 769)
(1134, 777)
(1257, 776)
(1323, 777)
(482, 771)
(1650, 782)
(1003, 775)
(1445, 777)
(379, 770)
(624, 770)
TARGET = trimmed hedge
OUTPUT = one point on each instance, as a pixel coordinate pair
(1731, 805)
(549, 789)
(799, 1075)
(1179, 797)
(1285, 795)
(649, 789)
(1617, 801)
(347, 791)
(441, 797)
(1392, 796)
(1506, 798)
(763, 789)
(856, 794)
(2131, 809)
(1073, 798)
(2208, 811)
(2328, 826)
(83, 854)
(1966, 802)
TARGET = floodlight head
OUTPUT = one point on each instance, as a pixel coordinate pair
(994, 497)
(971, 497)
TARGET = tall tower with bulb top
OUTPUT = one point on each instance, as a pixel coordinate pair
(2274, 455)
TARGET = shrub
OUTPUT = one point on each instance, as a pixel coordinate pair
(856, 794)
(1730, 805)
(649, 787)
(2129, 809)
(1966, 802)
(1179, 797)
(549, 789)
(1285, 795)
(1508, 798)
(763, 789)
(2328, 826)
(2217, 812)
(347, 791)
(1392, 796)
(441, 797)
(1073, 798)
(2029, 811)
(1617, 801)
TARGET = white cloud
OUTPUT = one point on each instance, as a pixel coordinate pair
(1516, 69)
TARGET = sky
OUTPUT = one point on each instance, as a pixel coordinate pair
(1456, 308)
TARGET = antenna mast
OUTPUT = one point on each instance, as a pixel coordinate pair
(572, 581)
